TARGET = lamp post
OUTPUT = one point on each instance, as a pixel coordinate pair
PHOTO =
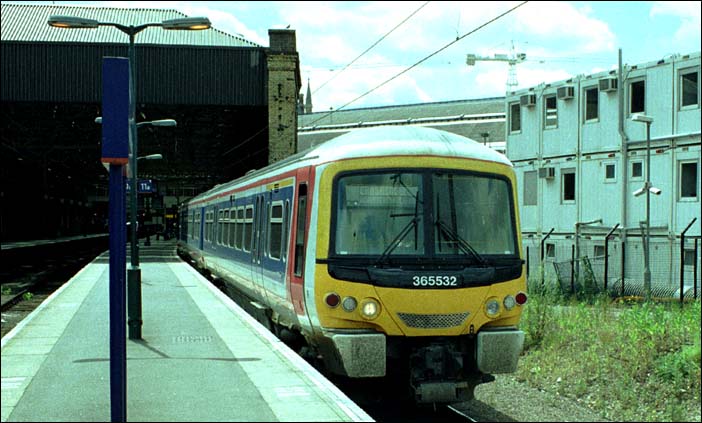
(648, 188)
(133, 273)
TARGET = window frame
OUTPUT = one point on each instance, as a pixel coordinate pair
(546, 99)
(586, 90)
(640, 177)
(535, 196)
(607, 179)
(564, 173)
(682, 73)
(680, 196)
(277, 221)
(511, 114)
(631, 93)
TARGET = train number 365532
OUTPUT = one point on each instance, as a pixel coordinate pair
(434, 280)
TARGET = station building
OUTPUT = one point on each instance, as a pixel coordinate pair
(482, 120)
(218, 87)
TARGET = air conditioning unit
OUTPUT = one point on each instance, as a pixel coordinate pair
(528, 100)
(547, 172)
(608, 84)
(565, 93)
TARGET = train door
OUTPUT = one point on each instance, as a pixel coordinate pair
(298, 242)
(200, 228)
(258, 243)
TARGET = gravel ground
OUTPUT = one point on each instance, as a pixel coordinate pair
(506, 400)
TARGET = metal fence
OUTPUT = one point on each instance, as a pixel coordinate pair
(618, 266)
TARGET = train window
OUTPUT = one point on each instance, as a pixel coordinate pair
(473, 209)
(299, 264)
(220, 224)
(239, 228)
(225, 228)
(378, 213)
(231, 228)
(198, 224)
(286, 230)
(275, 230)
(248, 228)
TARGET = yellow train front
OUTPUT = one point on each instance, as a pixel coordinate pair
(417, 265)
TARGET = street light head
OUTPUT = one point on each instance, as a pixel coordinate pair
(641, 118)
(72, 22)
(151, 157)
(164, 122)
(192, 24)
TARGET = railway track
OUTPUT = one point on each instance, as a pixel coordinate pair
(27, 282)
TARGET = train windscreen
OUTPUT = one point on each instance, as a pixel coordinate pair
(434, 213)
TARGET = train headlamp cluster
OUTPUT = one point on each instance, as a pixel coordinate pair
(370, 307)
(493, 308)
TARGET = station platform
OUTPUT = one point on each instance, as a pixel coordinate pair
(201, 357)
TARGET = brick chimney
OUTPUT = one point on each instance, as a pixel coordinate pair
(283, 87)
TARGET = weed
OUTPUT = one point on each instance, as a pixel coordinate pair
(632, 361)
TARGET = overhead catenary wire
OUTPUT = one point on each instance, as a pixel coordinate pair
(369, 48)
(421, 61)
(392, 78)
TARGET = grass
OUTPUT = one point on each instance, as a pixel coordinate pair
(626, 361)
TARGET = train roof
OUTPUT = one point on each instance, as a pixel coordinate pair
(375, 142)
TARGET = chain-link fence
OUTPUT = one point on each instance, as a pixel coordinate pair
(595, 264)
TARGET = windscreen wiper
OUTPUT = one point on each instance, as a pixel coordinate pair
(462, 243)
(412, 224)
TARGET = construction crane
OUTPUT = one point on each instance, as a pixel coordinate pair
(512, 59)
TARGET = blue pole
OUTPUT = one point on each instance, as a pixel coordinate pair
(115, 152)
(118, 262)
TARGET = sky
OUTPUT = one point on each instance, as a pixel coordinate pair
(560, 40)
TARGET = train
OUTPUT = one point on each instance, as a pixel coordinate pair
(385, 250)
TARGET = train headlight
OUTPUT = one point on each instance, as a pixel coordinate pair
(370, 308)
(509, 302)
(492, 307)
(349, 304)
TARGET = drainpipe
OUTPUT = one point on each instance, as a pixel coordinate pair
(623, 151)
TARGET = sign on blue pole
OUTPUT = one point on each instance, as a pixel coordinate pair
(115, 151)
(115, 110)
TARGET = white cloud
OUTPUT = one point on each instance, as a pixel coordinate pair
(689, 14)
(585, 34)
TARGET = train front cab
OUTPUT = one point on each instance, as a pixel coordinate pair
(420, 270)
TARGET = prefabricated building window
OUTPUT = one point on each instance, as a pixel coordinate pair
(636, 170)
(550, 111)
(610, 172)
(530, 188)
(568, 186)
(637, 97)
(689, 88)
(515, 117)
(592, 104)
(550, 250)
(688, 181)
